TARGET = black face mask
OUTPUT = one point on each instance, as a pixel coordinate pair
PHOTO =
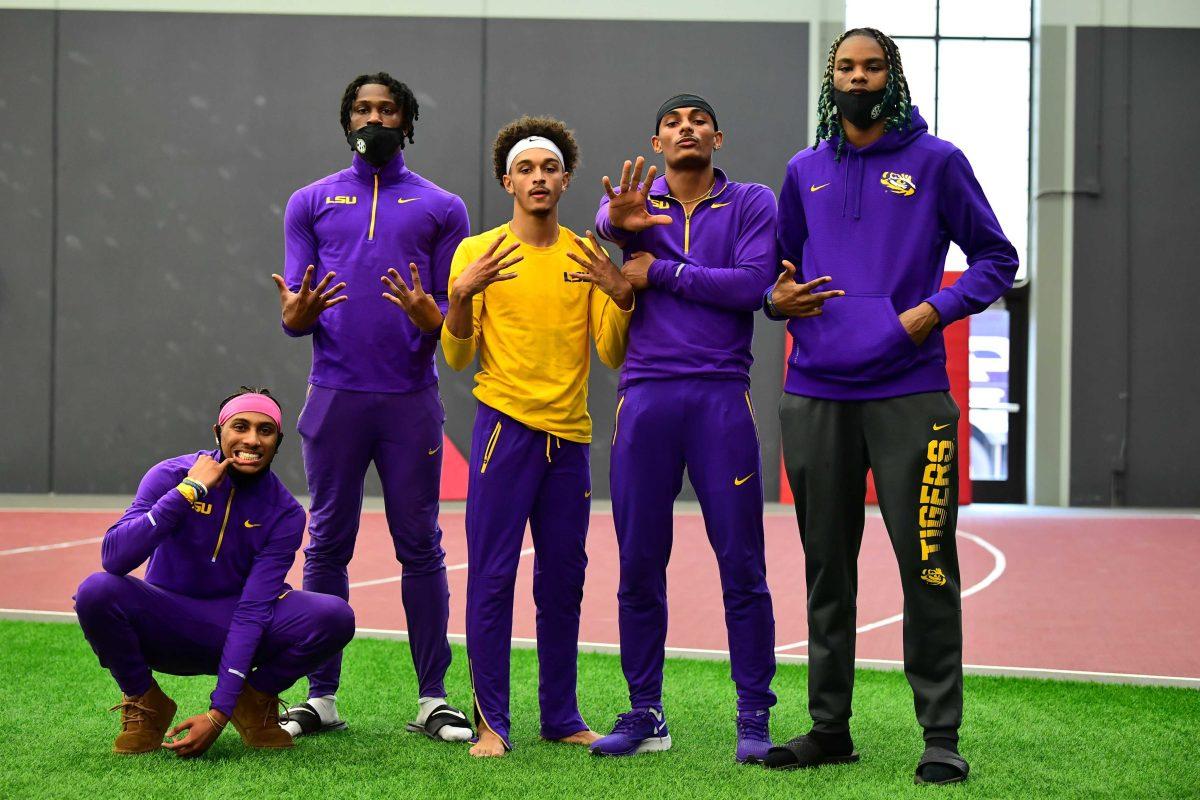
(861, 110)
(376, 143)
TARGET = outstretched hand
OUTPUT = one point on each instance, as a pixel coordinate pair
(601, 272)
(420, 306)
(627, 209)
(487, 269)
(301, 309)
(793, 299)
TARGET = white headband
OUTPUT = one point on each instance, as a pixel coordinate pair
(529, 144)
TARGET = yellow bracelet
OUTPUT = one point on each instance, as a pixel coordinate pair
(213, 720)
(187, 491)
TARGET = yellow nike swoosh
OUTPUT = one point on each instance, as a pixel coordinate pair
(588, 493)
(817, 188)
(721, 205)
(434, 450)
(404, 200)
(939, 427)
(739, 481)
(250, 524)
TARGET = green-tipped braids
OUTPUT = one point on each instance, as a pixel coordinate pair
(897, 101)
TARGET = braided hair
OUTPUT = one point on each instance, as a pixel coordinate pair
(403, 96)
(897, 100)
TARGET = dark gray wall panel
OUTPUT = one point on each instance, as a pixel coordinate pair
(26, 234)
(607, 80)
(1135, 329)
(181, 138)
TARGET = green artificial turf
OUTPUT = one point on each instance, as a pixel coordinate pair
(1024, 738)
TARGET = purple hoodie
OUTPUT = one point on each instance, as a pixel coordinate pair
(879, 222)
(239, 540)
(696, 319)
(358, 222)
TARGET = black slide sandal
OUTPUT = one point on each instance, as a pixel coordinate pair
(949, 758)
(803, 752)
(309, 720)
(441, 717)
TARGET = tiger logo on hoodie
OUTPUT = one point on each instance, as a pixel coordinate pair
(898, 183)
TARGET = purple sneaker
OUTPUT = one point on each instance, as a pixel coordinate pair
(754, 738)
(642, 730)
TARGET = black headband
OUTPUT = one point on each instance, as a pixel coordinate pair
(685, 101)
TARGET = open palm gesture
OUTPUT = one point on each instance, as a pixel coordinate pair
(301, 309)
(416, 302)
(627, 209)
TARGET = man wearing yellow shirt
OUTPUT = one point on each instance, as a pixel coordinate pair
(529, 449)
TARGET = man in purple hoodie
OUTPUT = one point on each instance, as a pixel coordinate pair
(220, 532)
(870, 210)
(373, 394)
(700, 252)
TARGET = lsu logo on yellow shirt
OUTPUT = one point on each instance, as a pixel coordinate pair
(342, 200)
(900, 183)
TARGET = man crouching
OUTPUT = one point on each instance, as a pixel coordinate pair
(220, 532)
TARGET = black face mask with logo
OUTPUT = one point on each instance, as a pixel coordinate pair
(375, 143)
(861, 110)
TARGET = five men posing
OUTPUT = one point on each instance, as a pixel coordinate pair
(854, 261)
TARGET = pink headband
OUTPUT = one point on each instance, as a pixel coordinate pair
(259, 403)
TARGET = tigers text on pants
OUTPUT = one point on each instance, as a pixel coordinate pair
(909, 443)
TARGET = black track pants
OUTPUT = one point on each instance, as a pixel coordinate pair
(911, 445)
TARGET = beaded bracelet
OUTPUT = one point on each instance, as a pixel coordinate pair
(188, 491)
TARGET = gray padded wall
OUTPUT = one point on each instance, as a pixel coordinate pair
(180, 138)
(1135, 328)
(26, 246)
(183, 136)
(607, 80)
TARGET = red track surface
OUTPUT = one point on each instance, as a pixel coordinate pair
(1114, 594)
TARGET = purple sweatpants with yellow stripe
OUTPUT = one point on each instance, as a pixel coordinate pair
(136, 627)
(520, 475)
(707, 427)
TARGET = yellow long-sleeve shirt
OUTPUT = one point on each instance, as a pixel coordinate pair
(533, 333)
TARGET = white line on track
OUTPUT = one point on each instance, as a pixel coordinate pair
(56, 546)
(29, 615)
(528, 551)
(997, 570)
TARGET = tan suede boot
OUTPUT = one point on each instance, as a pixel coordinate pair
(144, 722)
(256, 718)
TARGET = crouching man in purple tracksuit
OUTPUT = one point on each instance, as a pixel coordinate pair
(220, 532)
(700, 253)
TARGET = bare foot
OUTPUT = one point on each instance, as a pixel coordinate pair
(489, 745)
(583, 737)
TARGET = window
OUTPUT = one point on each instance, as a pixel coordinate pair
(968, 66)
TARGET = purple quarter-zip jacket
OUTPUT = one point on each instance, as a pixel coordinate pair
(879, 223)
(696, 319)
(239, 540)
(358, 222)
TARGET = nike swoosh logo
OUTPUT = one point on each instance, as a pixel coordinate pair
(404, 200)
(434, 450)
(721, 205)
(939, 427)
(817, 188)
(588, 493)
(739, 481)
(250, 524)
